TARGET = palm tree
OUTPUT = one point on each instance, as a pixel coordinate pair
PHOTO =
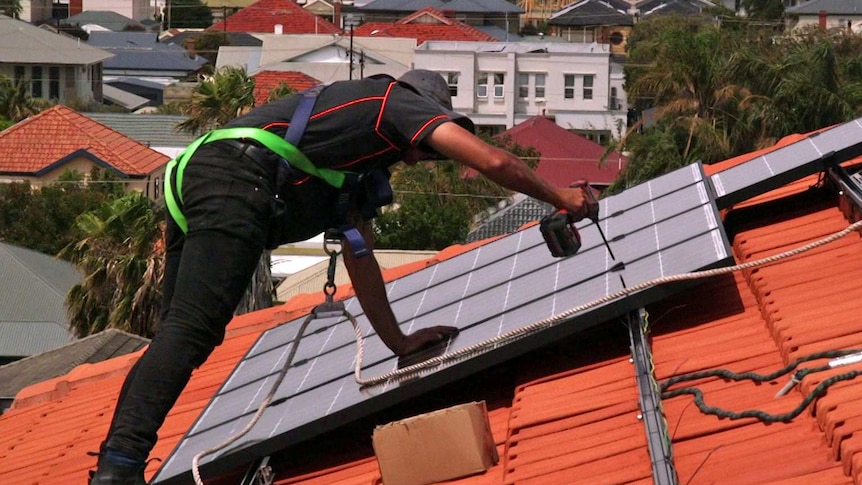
(121, 254)
(217, 99)
(717, 92)
(16, 103)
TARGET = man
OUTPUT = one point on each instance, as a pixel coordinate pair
(232, 195)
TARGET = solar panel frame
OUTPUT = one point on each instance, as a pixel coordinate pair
(779, 167)
(628, 219)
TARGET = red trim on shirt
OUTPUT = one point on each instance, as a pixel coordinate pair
(422, 128)
(380, 117)
(366, 157)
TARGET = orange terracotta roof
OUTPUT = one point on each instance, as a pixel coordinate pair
(46, 139)
(568, 413)
(266, 81)
(263, 15)
(424, 25)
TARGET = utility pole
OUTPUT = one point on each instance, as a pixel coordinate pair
(351, 20)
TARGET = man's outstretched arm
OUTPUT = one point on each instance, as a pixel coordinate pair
(503, 168)
(371, 291)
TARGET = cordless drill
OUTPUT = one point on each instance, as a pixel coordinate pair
(559, 231)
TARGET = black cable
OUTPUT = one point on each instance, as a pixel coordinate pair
(753, 376)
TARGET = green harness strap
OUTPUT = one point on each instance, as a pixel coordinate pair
(270, 140)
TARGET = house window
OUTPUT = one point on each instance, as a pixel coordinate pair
(19, 74)
(157, 188)
(540, 86)
(482, 88)
(36, 81)
(54, 82)
(588, 87)
(614, 101)
(452, 81)
(523, 85)
(499, 80)
(569, 86)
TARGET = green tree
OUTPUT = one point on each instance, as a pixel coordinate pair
(16, 103)
(11, 8)
(121, 256)
(43, 219)
(187, 14)
(217, 99)
(207, 44)
(716, 92)
(435, 202)
(772, 10)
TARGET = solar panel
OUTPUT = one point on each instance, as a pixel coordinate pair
(786, 164)
(667, 226)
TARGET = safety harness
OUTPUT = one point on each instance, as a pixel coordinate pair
(378, 192)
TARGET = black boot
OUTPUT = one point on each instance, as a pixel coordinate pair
(109, 473)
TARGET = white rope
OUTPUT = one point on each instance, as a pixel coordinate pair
(489, 344)
(480, 347)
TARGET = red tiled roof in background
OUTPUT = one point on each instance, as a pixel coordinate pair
(569, 413)
(266, 81)
(565, 156)
(263, 15)
(46, 138)
(424, 25)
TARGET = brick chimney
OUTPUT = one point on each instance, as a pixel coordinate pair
(821, 18)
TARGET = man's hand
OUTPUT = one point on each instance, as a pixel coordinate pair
(424, 338)
(578, 202)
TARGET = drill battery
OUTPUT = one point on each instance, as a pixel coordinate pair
(560, 233)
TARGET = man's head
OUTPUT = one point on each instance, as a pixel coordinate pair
(431, 85)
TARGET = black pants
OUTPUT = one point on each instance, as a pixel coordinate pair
(227, 202)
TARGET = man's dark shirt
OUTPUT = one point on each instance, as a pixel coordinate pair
(356, 126)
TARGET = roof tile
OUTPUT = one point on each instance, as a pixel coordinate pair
(573, 411)
(263, 15)
(424, 25)
(23, 147)
(266, 81)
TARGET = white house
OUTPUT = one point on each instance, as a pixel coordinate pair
(322, 56)
(499, 85)
(54, 66)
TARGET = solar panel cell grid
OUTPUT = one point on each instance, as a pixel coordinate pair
(659, 228)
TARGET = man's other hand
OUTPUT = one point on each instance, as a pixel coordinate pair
(425, 337)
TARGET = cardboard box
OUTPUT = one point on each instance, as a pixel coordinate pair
(434, 447)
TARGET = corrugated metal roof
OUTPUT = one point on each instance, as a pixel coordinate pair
(153, 130)
(33, 291)
(593, 12)
(122, 98)
(136, 51)
(57, 362)
(510, 218)
(22, 339)
(22, 43)
(105, 18)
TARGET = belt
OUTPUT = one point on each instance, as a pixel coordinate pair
(250, 149)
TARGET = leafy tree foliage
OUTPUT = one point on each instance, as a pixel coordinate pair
(16, 103)
(717, 91)
(435, 202)
(207, 43)
(187, 14)
(11, 8)
(217, 99)
(43, 219)
(122, 255)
